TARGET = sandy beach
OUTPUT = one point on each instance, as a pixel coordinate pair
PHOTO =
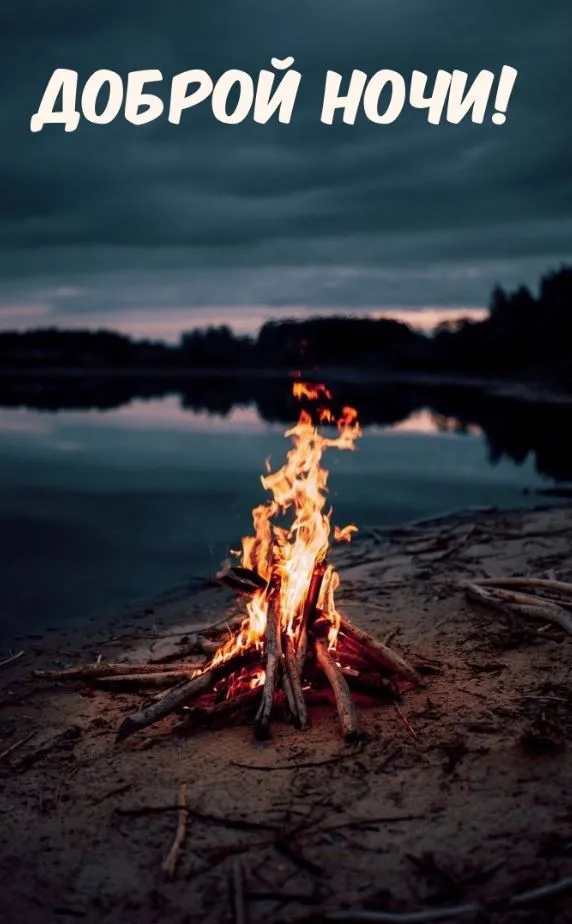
(462, 800)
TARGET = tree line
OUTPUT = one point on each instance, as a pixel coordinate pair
(523, 336)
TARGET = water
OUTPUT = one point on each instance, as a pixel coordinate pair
(102, 508)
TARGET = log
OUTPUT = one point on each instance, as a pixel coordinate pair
(179, 696)
(309, 613)
(104, 669)
(272, 663)
(384, 656)
(292, 685)
(241, 580)
(163, 679)
(210, 714)
(346, 709)
(371, 685)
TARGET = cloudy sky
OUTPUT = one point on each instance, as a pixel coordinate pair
(157, 228)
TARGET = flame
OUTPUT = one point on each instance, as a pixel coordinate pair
(287, 555)
(313, 392)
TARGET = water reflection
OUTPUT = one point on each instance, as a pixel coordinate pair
(100, 508)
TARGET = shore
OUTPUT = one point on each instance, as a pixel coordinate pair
(471, 804)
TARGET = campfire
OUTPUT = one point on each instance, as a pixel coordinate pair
(290, 643)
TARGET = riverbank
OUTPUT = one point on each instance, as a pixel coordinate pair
(472, 807)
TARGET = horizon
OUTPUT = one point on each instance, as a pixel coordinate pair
(169, 329)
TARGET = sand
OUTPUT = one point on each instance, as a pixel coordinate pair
(476, 808)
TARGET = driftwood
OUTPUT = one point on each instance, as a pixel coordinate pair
(346, 710)
(12, 658)
(561, 587)
(508, 603)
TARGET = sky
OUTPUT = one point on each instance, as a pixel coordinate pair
(155, 229)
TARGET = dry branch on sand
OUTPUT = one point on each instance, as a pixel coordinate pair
(503, 596)
(171, 860)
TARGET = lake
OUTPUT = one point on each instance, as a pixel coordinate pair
(103, 508)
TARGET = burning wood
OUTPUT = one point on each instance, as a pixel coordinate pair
(292, 638)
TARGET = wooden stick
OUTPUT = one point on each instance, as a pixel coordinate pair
(179, 696)
(294, 687)
(346, 710)
(262, 720)
(228, 706)
(103, 669)
(454, 913)
(170, 862)
(405, 721)
(557, 586)
(241, 580)
(489, 595)
(239, 906)
(164, 679)
(514, 596)
(384, 655)
(12, 659)
(309, 613)
(18, 744)
(403, 917)
(371, 685)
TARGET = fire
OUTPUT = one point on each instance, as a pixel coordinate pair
(313, 392)
(286, 556)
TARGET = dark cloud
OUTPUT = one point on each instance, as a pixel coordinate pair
(160, 217)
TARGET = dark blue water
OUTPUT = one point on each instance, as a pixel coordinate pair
(101, 509)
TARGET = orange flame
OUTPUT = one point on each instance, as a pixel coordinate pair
(313, 392)
(291, 553)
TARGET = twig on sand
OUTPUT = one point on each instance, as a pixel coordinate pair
(405, 721)
(562, 587)
(16, 745)
(237, 824)
(454, 913)
(305, 764)
(170, 863)
(238, 903)
(11, 659)
(396, 917)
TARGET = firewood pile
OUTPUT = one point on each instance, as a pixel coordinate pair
(291, 643)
